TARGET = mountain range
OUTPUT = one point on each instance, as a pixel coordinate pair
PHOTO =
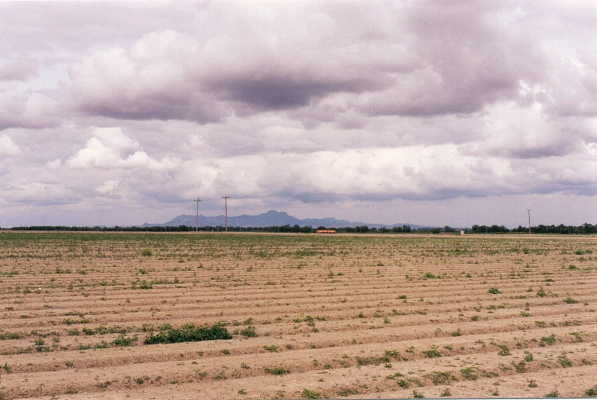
(270, 218)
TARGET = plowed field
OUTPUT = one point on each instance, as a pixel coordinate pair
(310, 316)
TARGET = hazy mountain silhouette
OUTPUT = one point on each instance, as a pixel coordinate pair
(270, 218)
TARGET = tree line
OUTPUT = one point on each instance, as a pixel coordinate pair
(583, 229)
(187, 228)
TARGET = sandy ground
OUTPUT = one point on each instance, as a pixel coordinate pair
(375, 316)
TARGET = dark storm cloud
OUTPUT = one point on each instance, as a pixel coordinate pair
(156, 107)
(237, 66)
(272, 92)
(472, 53)
(415, 59)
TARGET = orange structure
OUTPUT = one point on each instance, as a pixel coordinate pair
(325, 231)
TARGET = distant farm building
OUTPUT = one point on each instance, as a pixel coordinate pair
(325, 231)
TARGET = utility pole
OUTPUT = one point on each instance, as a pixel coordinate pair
(196, 201)
(529, 213)
(226, 211)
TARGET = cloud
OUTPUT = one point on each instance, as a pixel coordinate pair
(417, 59)
(8, 147)
(242, 64)
(111, 148)
(286, 103)
(511, 131)
(27, 109)
(411, 172)
(17, 70)
(108, 188)
(39, 194)
(138, 85)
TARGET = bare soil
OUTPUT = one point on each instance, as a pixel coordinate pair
(356, 316)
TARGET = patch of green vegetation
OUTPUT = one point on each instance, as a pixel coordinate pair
(277, 371)
(71, 321)
(124, 341)
(310, 394)
(189, 333)
(469, 373)
(7, 368)
(582, 252)
(441, 377)
(249, 331)
(547, 340)
(520, 367)
(591, 392)
(104, 330)
(504, 350)
(432, 353)
(11, 336)
(564, 361)
(400, 381)
(578, 336)
(347, 392)
(145, 285)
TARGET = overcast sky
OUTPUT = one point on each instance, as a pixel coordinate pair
(428, 112)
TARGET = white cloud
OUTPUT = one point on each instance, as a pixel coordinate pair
(39, 193)
(115, 139)
(54, 164)
(110, 148)
(17, 70)
(27, 109)
(109, 187)
(407, 172)
(8, 147)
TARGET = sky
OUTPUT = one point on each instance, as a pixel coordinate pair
(426, 112)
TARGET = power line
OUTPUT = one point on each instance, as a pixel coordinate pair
(196, 201)
(226, 211)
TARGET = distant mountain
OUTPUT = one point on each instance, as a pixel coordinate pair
(270, 218)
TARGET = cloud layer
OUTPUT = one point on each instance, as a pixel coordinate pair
(300, 105)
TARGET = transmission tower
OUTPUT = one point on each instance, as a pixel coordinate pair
(226, 212)
(196, 201)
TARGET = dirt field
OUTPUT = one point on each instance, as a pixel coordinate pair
(310, 316)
